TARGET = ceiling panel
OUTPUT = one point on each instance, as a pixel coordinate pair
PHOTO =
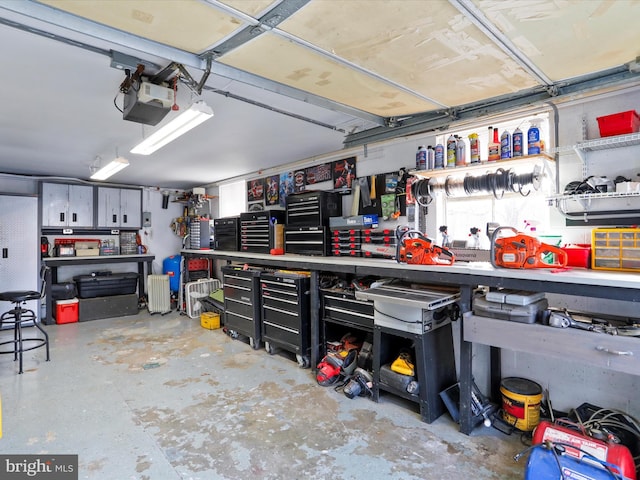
(429, 47)
(251, 7)
(281, 60)
(567, 39)
(189, 25)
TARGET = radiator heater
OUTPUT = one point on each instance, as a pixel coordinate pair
(159, 294)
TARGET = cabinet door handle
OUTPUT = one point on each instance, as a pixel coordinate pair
(115, 218)
(62, 216)
(5, 253)
(74, 217)
(124, 218)
(600, 348)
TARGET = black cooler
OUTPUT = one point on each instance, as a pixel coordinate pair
(106, 284)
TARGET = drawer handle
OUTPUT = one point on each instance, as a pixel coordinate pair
(614, 352)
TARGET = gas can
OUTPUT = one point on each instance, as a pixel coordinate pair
(533, 138)
(505, 145)
(421, 158)
(439, 156)
(517, 139)
(474, 148)
(451, 151)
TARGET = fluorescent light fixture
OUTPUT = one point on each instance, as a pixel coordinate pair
(111, 168)
(194, 116)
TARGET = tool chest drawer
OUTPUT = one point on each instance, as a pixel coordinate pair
(306, 240)
(285, 313)
(340, 306)
(242, 302)
(257, 230)
(226, 234)
(313, 208)
(613, 352)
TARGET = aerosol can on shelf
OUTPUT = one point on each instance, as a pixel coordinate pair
(439, 156)
(451, 151)
(517, 141)
(421, 158)
(533, 138)
(474, 148)
(461, 152)
(505, 145)
(431, 158)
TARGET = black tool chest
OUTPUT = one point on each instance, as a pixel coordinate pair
(226, 233)
(306, 240)
(285, 314)
(313, 209)
(257, 232)
(242, 302)
(341, 307)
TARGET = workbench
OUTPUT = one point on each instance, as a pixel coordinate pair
(617, 353)
(53, 263)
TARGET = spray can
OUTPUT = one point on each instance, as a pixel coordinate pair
(431, 154)
(461, 153)
(439, 156)
(421, 158)
(451, 151)
(517, 142)
(533, 138)
(474, 148)
(505, 145)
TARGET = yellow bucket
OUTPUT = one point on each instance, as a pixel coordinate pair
(521, 402)
(210, 320)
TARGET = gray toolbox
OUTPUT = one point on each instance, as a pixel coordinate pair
(520, 311)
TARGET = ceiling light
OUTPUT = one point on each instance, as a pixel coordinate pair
(194, 116)
(111, 168)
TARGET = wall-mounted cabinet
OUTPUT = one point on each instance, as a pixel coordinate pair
(67, 206)
(119, 208)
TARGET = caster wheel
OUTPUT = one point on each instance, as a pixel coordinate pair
(303, 361)
(269, 348)
(253, 344)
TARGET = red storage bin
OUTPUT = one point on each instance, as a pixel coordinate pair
(579, 254)
(67, 311)
(619, 123)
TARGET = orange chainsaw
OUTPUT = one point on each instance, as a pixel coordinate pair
(416, 249)
(524, 251)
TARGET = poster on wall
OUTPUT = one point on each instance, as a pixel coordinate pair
(286, 187)
(344, 174)
(319, 173)
(298, 180)
(255, 190)
(272, 186)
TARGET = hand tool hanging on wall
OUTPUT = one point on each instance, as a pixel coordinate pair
(524, 251)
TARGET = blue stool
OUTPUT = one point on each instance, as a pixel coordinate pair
(21, 317)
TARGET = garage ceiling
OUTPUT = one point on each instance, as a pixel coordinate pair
(288, 79)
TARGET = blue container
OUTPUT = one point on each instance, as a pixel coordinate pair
(171, 267)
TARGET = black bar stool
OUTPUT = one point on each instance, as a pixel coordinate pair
(21, 317)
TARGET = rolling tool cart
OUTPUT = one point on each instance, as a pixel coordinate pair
(285, 314)
(242, 303)
(419, 321)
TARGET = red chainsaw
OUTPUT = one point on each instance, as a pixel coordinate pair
(416, 249)
(524, 251)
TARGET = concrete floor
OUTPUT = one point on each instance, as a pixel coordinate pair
(159, 397)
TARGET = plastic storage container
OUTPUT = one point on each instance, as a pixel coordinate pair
(210, 320)
(504, 311)
(578, 255)
(619, 123)
(90, 286)
(615, 249)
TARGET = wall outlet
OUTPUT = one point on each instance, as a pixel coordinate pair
(146, 219)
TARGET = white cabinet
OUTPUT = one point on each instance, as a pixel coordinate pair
(19, 246)
(119, 208)
(67, 205)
